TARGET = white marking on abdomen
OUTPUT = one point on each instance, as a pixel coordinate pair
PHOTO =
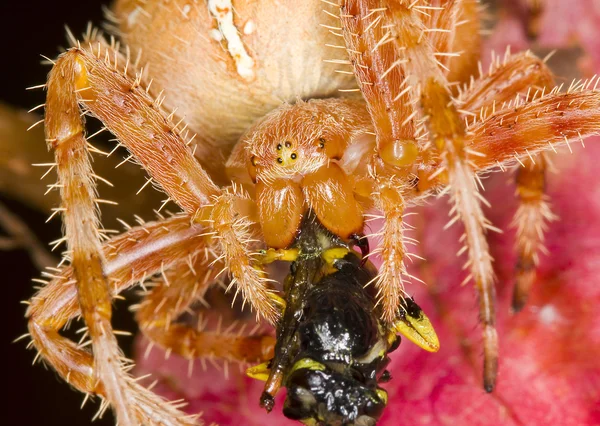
(222, 10)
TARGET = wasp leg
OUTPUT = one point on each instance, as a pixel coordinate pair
(271, 255)
(362, 242)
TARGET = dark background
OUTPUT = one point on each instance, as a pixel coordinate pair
(34, 395)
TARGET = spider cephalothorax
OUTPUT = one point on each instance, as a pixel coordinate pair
(409, 130)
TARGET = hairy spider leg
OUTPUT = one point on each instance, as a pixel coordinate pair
(524, 76)
(175, 292)
(435, 112)
(456, 38)
(521, 129)
(128, 111)
(130, 258)
(377, 71)
(531, 221)
(400, 137)
(65, 134)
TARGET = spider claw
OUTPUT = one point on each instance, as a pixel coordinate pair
(362, 242)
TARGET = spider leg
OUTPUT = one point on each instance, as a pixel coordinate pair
(457, 38)
(65, 135)
(531, 221)
(130, 257)
(384, 88)
(544, 123)
(173, 296)
(515, 76)
(517, 132)
(128, 112)
(380, 65)
(435, 112)
(392, 249)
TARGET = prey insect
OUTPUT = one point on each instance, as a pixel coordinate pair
(332, 345)
(408, 116)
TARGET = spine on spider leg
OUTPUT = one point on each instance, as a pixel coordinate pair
(443, 16)
(235, 235)
(175, 292)
(522, 74)
(65, 135)
(447, 132)
(457, 39)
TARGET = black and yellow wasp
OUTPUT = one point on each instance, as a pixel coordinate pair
(332, 346)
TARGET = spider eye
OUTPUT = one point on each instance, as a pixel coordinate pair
(293, 156)
(321, 143)
(288, 144)
(279, 147)
(279, 160)
(252, 168)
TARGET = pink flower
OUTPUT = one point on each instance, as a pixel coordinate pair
(561, 24)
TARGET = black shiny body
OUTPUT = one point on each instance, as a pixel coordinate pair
(331, 345)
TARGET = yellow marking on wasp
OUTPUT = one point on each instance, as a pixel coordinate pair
(278, 300)
(382, 395)
(307, 363)
(333, 254)
(271, 255)
(259, 372)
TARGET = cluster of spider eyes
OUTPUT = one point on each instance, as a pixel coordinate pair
(285, 157)
(288, 145)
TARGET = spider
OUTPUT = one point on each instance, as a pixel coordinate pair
(370, 107)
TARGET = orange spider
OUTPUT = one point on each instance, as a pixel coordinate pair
(407, 116)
